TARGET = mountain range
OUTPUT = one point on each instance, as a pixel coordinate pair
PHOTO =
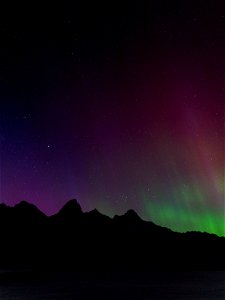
(76, 240)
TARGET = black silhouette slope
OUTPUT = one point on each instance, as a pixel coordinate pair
(70, 213)
(72, 239)
(21, 215)
(27, 212)
(70, 209)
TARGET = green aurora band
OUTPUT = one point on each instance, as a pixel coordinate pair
(189, 213)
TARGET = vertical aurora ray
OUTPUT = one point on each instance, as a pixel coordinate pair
(128, 113)
(193, 197)
(183, 219)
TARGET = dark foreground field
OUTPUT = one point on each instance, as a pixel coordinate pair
(26, 285)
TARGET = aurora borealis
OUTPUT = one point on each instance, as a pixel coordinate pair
(118, 106)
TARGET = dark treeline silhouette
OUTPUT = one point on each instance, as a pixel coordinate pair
(74, 240)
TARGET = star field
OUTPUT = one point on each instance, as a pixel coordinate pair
(118, 106)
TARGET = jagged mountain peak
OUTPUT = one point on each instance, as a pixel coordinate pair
(71, 207)
(130, 216)
(27, 208)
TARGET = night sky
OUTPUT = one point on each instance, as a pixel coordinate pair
(118, 106)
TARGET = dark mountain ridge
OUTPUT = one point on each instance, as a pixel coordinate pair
(76, 240)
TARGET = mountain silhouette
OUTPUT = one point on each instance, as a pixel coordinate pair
(28, 212)
(70, 213)
(71, 208)
(129, 216)
(76, 240)
(95, 218)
